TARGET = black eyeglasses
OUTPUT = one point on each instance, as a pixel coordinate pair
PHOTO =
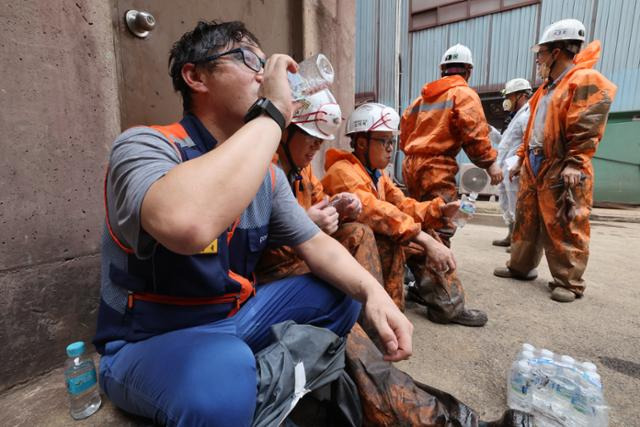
(387, 143)
(249, 58)
(541, 51)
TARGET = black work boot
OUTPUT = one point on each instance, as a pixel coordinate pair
(510, 418)
(508, 273)
(506, 241)
(413, 294)
(467, 317)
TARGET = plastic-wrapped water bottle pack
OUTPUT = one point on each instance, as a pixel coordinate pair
(557, 390)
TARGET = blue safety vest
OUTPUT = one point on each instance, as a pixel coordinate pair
(170, 291)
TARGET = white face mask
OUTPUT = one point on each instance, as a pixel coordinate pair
(507, 105)
(544, 69)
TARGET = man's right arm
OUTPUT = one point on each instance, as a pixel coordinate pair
(474, 131)
(195, 201)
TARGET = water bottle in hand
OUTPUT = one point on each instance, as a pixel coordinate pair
(314, 74)
(467, 209)
(82, 383)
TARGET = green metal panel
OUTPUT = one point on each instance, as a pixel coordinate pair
(617, 161)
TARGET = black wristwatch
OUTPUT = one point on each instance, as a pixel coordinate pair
(264, 106)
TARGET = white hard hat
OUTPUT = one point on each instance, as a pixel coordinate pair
(566, 29)
(458, 54)
(373, 117)
(320, 115)
(516, 85)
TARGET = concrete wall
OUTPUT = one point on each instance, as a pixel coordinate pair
(68, 72)
(59, 114)
(146, 93)
(329, 27)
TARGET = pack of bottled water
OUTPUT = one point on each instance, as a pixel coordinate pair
(558, 391)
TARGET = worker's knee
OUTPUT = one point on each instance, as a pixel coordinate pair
(221, 390)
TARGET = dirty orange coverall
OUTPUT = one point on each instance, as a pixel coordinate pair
(549, 215)
(396, 220)
(445, 118)
(278, 263)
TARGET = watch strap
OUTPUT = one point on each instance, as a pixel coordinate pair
(264, 106)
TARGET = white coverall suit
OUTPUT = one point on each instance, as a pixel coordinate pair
(509, 144)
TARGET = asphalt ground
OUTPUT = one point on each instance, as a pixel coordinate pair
(472, 363)
(602, 327)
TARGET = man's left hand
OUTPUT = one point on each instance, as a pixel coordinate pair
(393, 328)
(571, 176)
(350, 208)
(450, 209)
(495, 173)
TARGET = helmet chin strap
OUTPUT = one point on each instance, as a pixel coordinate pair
(553, 64)
(367, 154)
(294, 171)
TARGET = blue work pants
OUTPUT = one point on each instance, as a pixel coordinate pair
(206, 375)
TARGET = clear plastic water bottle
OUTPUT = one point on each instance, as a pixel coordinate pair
(82, 383)
(543, 398)
(314, 74)
(584, 414)
(589, 403)
(520, 381)
(588, 367)
(527, 356)
(565, 385)
(528, 347)
(467, 209)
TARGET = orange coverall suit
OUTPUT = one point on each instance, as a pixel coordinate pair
(395, 219)
(549, 215)
(445, 118)
(277, 263)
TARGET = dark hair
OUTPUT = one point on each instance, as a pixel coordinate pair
(354, 138)
(452, 69)
(205, 39)
(569, 47)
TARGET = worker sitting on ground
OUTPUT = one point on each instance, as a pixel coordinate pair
(395, 219)
(189, 209)
(317, 121)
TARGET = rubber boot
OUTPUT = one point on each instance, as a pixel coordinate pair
(510, 418)
(467, 317)
(506, 272)
(507, 240)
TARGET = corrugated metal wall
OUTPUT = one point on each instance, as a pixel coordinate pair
(500, 44)
(376, 47)
(616, 26)
(512, 33)
(366, 46)
(554, 10)
(386, 54)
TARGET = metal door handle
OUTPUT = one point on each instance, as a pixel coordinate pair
(139, 23)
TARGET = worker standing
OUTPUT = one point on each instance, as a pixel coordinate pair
(516, 93)
(444, 119)
(568, 117)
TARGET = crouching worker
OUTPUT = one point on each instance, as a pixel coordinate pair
(317, 121)
(395, 219)
(190, 207)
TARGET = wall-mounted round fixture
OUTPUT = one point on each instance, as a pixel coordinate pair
(139, 23)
